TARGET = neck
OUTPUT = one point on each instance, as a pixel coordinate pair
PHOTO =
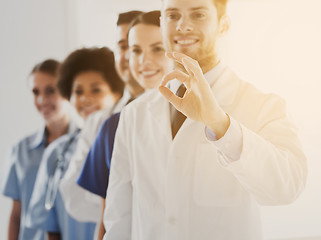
(116, 97)
(57, 128)
(208, 63)
(135, 91)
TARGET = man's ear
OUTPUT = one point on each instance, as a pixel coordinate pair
(224, 25)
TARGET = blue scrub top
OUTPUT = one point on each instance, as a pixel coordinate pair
(95, 173)
(57, 219)
(20, 178)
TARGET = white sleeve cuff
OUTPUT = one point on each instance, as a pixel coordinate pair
(230, 145)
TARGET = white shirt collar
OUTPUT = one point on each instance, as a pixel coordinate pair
(211, 76)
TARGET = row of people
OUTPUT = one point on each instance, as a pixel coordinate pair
(192, 165)
(195, 158)
(88, 79)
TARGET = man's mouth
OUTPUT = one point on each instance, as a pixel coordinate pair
(185, 41)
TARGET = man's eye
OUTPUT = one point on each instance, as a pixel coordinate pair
(198, 15)
(173, 16)
(123, 47)
(136, 50)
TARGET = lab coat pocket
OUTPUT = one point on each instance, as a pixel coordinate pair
(213, 184)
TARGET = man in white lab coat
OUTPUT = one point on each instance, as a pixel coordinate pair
(236, 150)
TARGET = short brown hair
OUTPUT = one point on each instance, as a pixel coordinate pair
(220, 7)
(49, 66)
(127, 17)
(149, 18)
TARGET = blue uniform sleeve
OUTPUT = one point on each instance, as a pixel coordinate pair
(10, 185)
(94, 175)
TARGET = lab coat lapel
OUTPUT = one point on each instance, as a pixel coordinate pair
(225, 88)
(159, 108)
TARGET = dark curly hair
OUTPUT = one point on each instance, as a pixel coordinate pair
(49, 66)
(89, 59)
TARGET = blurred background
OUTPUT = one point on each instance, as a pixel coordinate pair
(275, 44)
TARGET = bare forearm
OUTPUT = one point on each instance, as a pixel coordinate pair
(14, 227)
(14, 224)
(54, 236)
(101, 226)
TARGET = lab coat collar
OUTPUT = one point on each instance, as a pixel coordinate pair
(75, 123)
(121, 102)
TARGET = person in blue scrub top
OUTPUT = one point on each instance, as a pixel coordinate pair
(26, 155)
(148, 65)
(89, 80)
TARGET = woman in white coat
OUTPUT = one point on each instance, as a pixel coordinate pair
(148, 64)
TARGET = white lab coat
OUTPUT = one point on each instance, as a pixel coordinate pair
(80, 203)
(178, 189)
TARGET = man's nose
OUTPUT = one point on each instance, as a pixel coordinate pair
(184, 25)
(126, 55)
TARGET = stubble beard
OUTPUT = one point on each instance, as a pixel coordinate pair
(205, 56)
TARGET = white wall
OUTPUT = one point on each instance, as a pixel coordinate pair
(30, 31)
(276, 45)
(273, 43)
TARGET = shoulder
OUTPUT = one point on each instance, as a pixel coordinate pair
(253, 107)
(97, 117)
(112, 119)
(30, 141)
(109, 123)
(143, 102)
(249, 93)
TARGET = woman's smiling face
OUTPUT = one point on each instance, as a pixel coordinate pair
(147, 59)
(90, 93)
(48, 101)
